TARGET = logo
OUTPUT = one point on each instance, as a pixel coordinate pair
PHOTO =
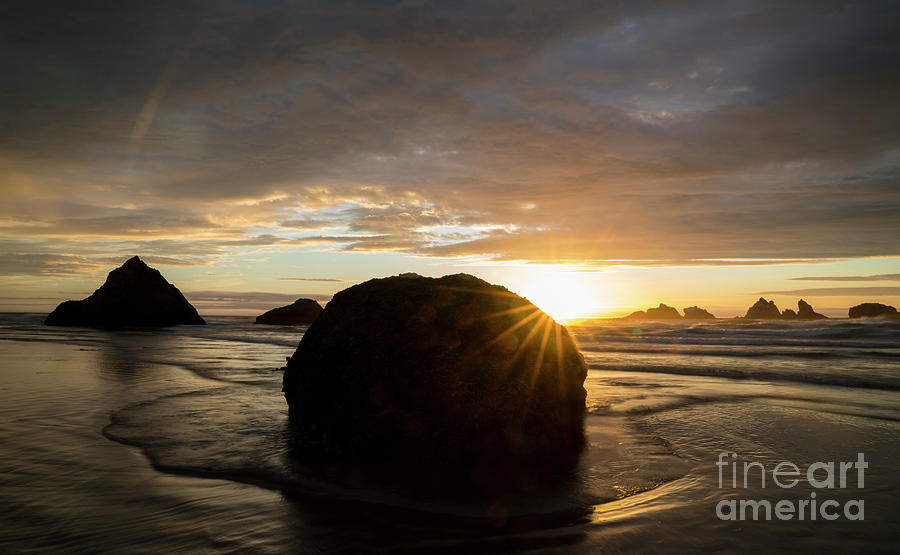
(785, 475)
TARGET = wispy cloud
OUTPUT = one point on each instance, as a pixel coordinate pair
(875, 277)
(314, 279)
(249, 296)
(245, 300)
(838, 292)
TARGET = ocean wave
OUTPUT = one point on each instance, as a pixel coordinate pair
(587, 340)
(743, 373)
(675, 402)
(724, 328)
(762, 352)
(233, 433)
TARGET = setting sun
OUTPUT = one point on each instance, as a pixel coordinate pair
(564, 295)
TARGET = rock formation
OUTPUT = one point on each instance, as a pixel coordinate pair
(697, 313)
(763, 310)
(662, 312)
(449, 371)
(766, 310)
(134, 295)
(873, 310)
(806, 312)
(302, 311)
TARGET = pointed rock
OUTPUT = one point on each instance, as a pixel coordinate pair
(134, 295)
(806, 312)
(763, 310)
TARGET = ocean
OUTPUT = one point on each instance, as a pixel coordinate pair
(176, 440)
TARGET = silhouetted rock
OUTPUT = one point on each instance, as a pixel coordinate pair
(697, 313)
(662, 312)
(302, 311)
(134, 295)
(449, 371)
(873, 310)
(763, 310)
(806, 312)
(788, 314)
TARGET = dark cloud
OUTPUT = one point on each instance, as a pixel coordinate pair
(669, 133)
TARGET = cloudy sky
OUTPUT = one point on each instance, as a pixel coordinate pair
(638, 152)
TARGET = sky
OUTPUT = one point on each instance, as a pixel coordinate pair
(597, 157)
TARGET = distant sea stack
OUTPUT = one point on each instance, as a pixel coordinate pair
(662, 312)
(302, 311)
(134, 295)
(763, 310)
(766, 310)
(806, 312)
(449, 371)
(873, 310)
(665, 312)
(696, 313)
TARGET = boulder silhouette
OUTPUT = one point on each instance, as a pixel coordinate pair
(763, 310)
(449, 371)
(873, 310)
(806, 312)
(696, 313)
(301, 311)
(134, 295)
(788, 314)
(662, 312)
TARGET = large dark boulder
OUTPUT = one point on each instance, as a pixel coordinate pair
(763, 310)
(301, 311)
(873, 310)
(662, 312)
(806, 312)
(134, 295)
(697, 313)
(439, 372)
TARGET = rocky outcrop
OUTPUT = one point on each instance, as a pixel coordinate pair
(766, 310)
(873, 310)
(436, 371)
(697, 313)
(134, 295)
(806, 312)
(763, 310)
(302, 311)
(662, 312)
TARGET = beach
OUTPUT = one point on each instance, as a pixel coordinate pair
(177, 440)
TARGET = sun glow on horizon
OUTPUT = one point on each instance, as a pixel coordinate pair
(563, 295)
